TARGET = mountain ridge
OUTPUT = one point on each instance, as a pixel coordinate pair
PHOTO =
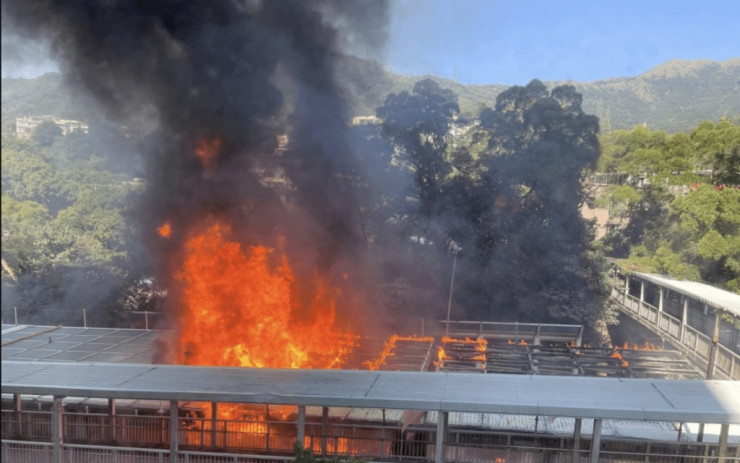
(674, 96)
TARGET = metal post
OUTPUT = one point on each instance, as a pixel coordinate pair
(440, 451)
(684, 318)
(452, 286)
(577, 441)
(596, 442)
(713, 350)
(723, 434)
(324, 429)
(214, 424)
(18, 408)
(84, 317)
(15, 315)
(174, 432)
(112, 434)
(301, 438)
(146, 320)
(626, 287)
(57, 430)
(660, 298)
(642, 296)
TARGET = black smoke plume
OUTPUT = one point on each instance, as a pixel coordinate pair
(177, 73)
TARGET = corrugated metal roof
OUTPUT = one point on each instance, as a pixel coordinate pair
(605, 398)
(70, 344)
(710, 295)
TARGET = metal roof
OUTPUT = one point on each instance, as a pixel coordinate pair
(77, 344)
(605, 398)
(710, 295)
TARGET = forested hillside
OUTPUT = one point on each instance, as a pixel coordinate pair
(673, 97)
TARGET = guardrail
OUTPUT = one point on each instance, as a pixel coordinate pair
(532, 332)
(611, 452)
(694, 343)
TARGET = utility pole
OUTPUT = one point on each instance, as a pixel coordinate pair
(455, 249)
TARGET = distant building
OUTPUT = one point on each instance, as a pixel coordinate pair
(25, 125)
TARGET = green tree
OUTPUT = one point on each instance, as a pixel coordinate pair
(709, 221)
(417, 124)
(718, 149)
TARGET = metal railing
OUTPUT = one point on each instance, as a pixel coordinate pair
(42, 452)
(514, 331)
(694, 343)
(659, 452)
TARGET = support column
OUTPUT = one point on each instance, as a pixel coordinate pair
(18, 411)
(174, 432)
(626, 287)
(661, 295)
(301, 438)
(112, 420)
(324, 429)
(642, 297)
(440, 449)
(577, 441)
(723, 434)
(214, 424)
(57, 430)
(596, 442)
(684, 318)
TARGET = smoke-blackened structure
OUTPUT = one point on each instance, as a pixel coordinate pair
(209, 87)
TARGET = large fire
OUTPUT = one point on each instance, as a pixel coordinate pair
(239, 307)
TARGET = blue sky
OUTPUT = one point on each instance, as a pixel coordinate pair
(511, 42)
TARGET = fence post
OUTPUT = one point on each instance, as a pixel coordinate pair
(84, 317)
(596, 441)
(301, 434)
(214, 424)
(577, 441)
(440, 451)
(324, 429)
(174, 432)
(57, 430)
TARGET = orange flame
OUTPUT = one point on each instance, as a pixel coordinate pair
(521, 342)
(480, 343)
(165, 230)
(241, 309)
(645, 346)
(616, 355)
(388, 348)
(206, 150)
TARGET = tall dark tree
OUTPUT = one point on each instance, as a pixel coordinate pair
(417, 124)
(538, 263)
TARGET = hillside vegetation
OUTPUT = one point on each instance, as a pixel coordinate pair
(673, 97)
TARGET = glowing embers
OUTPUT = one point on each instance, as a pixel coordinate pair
(165, 230)
(207, 150)
(240, 307)
(403, 353)
(461, 354)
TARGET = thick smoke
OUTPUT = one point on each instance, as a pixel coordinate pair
(180, 74)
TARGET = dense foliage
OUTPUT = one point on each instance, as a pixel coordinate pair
(504, 207)
(675, 206)
(67, 237)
